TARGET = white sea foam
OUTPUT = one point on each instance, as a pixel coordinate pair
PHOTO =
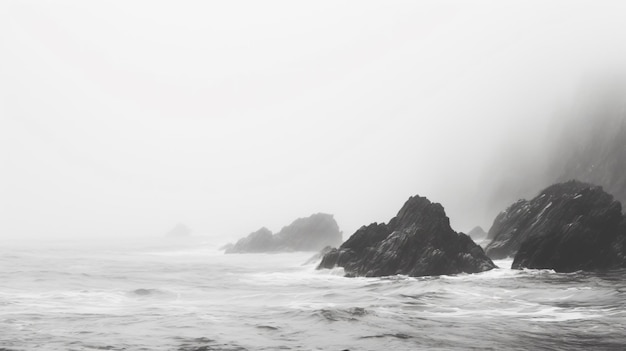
(188, 296)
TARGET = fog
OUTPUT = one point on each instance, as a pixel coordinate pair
(121, 119)
(586, 141)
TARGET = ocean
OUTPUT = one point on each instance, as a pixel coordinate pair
(169, 294)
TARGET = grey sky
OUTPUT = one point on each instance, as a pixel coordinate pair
(123, 118)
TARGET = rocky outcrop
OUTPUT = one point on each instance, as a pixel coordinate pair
(568, 227)
(505, 232)
(417, 242)
(179, 230)
(304, 234)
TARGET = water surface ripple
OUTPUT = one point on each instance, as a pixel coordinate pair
(188, 296)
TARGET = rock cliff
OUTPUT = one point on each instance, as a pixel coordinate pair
(568, 227)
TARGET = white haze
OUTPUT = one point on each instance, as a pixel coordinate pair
(123, 118)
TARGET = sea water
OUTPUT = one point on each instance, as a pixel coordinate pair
(185, 294)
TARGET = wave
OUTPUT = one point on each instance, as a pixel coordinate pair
(341, 314)
(206, 344)
(188, 300)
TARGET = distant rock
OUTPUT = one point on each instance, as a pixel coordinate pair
(477, 233)
(304, 234)
(417, 242)
(179, 230)
(260, 241)
(568, 227)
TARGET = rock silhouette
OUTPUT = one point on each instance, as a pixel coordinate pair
(417, 242)
(568, 227)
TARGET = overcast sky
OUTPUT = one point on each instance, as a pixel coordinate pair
(122, 118)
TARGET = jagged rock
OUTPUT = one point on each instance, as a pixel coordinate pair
(304, 234)
(179, 230)
(417, 242)
(503, 234)
(477, 233)
(557, 205)
(568, 227)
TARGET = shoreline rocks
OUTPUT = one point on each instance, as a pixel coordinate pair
(417, 242)
(568, 227)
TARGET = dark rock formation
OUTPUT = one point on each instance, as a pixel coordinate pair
(179, 230)
(568, 227)
(417, 242)
(304, 234)
(478, 233)
(504, 231)
(618, 247)
(557, 205)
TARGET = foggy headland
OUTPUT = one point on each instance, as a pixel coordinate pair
(142, 140)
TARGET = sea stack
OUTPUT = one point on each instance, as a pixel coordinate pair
(312, 233)
(568, 227)
(417, 242)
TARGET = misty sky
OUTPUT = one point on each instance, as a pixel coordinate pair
(123, 118)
